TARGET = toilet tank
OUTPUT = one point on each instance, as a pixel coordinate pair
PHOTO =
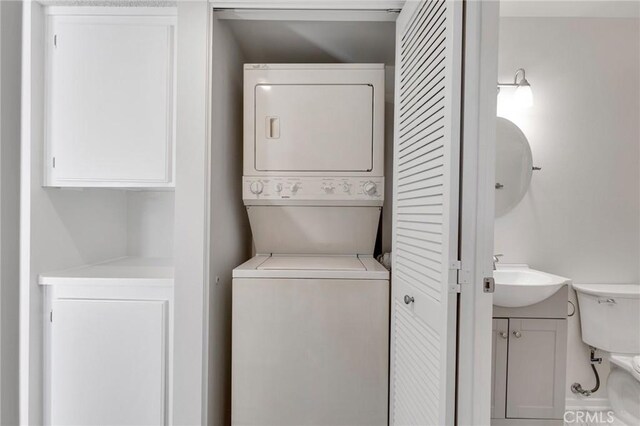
(610, 316)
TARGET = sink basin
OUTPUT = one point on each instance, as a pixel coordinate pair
(518, 285)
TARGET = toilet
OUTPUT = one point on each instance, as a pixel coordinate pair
(610, 321)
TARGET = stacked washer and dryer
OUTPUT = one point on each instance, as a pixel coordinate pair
(310, 323)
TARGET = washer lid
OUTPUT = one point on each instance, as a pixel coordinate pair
(317, 263)
(309, 267)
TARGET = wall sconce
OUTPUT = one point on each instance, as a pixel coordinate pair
(523, 95)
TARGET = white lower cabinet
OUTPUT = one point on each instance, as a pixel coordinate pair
(107, 356)
(529, 368)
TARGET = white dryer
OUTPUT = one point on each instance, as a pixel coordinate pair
(310, 326)
(310, 341)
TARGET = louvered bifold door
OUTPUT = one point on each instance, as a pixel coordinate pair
(425, 213)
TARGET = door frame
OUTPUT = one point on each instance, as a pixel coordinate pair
(480, 65)
(475, 309)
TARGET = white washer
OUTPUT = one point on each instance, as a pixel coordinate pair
(310, 341)
(310, 331)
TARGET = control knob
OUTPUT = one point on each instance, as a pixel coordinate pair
(294, 188)
(370, 188)
(328, 188)
(278, 188)
(256, 187)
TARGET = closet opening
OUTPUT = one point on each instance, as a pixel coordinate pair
(240, 37)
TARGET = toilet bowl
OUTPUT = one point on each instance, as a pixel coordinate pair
(623, 388)
(610, 321)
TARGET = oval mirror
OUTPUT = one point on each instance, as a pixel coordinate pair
(514, 165)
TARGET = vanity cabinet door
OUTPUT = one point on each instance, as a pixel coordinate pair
(499, 345)
(537, 367)
(108, 362)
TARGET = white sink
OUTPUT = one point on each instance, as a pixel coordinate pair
(518, 285)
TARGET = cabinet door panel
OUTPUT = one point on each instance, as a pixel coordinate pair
(536, 374)
(108, 362)
(109, 100)
(499, 344)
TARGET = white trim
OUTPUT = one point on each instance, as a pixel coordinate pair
(590, 404)
(1, 295)
(526, 422)
(477, 212)
(309, 4)
(110, 11)
(25, 212)
(191, 216)
(307, 15)
(207, 247)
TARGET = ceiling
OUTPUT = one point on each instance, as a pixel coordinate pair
(315, 41)
(570, 8)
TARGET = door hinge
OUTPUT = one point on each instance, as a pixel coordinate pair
(55, 40)
(54, 162)
(454, 275)
(51, 315)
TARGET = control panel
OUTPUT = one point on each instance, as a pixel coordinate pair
(313, 188)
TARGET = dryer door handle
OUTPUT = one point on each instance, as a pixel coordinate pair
(272, 127)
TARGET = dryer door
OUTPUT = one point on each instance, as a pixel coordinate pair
(313, 127)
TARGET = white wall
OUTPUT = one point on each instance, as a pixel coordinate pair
(389, 112)
(150, 216)
(230, 233)
(581, 216)
(10, 28)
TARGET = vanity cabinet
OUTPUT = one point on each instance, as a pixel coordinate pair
(536, 368)
(109, 99)
(529, 363)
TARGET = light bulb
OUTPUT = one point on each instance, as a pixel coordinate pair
(524, 95)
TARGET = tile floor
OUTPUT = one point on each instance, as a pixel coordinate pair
(594, 418)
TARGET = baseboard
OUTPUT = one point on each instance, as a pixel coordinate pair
(587, 404)
(526, 422)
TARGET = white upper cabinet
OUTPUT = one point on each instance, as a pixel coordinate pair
(109, 108)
